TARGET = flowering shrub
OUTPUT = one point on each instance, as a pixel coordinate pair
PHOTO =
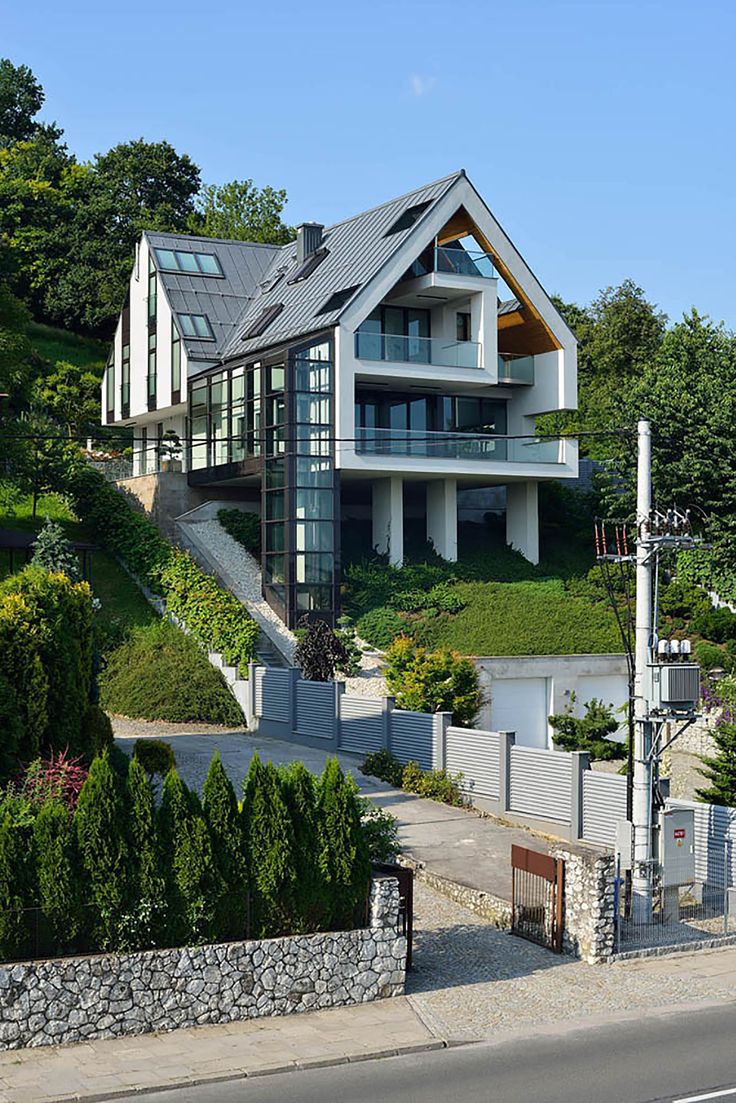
(57, 777)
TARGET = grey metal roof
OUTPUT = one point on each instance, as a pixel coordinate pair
(223, 300)
(357, 249)
(509, 306)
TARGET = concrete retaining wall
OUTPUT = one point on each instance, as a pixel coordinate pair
(103, 996)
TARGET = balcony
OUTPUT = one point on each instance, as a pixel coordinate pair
(437, 351)
(515, 369)
(453, 260)
(456, 446)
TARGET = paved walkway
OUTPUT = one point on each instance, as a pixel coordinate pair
(200, 1054)
(452, 843)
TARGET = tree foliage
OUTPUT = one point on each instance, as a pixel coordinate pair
(588, 732)
(433, 681)
(344, 860)
(300, 796)
(240, 211)
(56, 858)
(320, 653)
(53, 552)
(269, 838)
(220, 808)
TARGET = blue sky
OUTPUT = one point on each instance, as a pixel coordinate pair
(600, 133)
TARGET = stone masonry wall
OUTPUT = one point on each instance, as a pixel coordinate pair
(103, 996)
(588, 931)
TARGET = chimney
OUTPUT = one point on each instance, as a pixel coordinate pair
(308, 240)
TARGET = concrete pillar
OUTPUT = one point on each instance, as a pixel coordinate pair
(522, 519)
(442, 517)
(388, 518)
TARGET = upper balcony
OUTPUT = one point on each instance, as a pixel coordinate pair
(513, 368)
(452, 260)
(459, 446)
(400, 349)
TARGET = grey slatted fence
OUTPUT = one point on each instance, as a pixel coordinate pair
(541, 783)
(476, 755)
(604, 804)
(361, 724)
(272, 698)
(315, 709)
(411, 737)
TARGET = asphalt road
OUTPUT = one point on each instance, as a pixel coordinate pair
(672, 1058)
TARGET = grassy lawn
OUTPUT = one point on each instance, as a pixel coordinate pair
(122, 601)
(59, 344)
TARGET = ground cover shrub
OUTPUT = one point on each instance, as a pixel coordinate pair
(433, 784)
(212, 615)
(384, 765)
(155, 756)
(711, 656)
(243, 527)
(433, 681)
(160, 674)
(380, 627)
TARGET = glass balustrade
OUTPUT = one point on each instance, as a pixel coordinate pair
(437, 351)
(515, 369)
(456, 446)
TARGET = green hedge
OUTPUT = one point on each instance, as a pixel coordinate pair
(46, 662)
(119, 873)
(243, 527)
(158, 673)
(212, 615)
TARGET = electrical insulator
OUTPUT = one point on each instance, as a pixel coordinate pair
(685, 647)
(674, 647)
(663, 648)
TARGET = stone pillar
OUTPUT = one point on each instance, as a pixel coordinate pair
(388, 518)
(442, 517)
(522, 519)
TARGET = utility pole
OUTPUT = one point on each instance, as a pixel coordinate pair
(642, 790)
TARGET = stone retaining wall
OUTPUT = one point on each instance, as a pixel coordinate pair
(588, 931)
(104, 996)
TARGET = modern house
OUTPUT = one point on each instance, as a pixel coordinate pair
(367, 372)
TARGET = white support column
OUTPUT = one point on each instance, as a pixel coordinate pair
(522, 519)
(442, 517)
(388, 518)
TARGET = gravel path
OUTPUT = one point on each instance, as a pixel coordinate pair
(473, 981)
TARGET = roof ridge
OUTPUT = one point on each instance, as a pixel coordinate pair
(219, 240)
(432, 183)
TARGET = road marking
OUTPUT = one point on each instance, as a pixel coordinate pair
(708, 1095)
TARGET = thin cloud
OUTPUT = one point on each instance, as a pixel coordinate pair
(421, 86)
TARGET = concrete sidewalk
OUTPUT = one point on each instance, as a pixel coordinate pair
(452, 844)
(122, 1066)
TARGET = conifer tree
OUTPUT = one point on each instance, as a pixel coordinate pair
(300, 794)
(344, 857)
(147, 857)
(720, 769)
(101, 819)
(220, 807)
(270, 849)
(15, 895)
(54, 552)
(58, 880)
(194, 886)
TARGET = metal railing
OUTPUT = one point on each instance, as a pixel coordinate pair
(454, 260)
(473, 446)
(438, 351)
(515, 369)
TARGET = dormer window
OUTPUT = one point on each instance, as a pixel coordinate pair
(197, 326)
(193, 264)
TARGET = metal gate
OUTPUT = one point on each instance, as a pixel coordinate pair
(537, 882)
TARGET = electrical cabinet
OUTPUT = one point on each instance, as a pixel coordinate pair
(677, 846)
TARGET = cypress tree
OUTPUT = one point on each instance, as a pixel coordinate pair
(194, 884)
(300, 794)
(344, 857)
(220, 807)
(147, 856)
(15, 895)
(100, 819)
(720, 769)
(270, 850)
(58, 878)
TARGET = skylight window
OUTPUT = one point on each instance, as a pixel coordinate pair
(197, 326)
(263, 321)
(308, 266)
(338, 300)
(408, 218)
(194, 264)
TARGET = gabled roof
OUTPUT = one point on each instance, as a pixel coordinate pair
(223, 299)
(356, 250)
